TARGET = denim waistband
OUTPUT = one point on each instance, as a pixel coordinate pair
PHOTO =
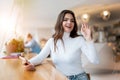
(80, 74)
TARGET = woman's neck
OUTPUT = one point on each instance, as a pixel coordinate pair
(66, 35)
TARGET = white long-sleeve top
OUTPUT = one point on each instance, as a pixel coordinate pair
(67, 57)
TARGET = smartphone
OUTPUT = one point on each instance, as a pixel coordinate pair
(23, 59)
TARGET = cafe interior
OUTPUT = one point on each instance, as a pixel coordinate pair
(38, 17)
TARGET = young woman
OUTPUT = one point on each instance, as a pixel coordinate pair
(66, 46)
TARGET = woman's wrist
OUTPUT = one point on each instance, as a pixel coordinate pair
(88, 39)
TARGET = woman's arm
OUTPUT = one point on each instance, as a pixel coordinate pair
(89, 50)
(87, 44)
(38, 58)
(42, 55)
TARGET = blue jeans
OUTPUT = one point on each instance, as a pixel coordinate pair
(81, 76)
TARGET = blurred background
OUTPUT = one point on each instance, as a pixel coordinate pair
(38, 17)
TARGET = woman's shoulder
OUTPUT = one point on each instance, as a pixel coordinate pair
(80, 39)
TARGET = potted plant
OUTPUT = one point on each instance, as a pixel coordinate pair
(14, 46)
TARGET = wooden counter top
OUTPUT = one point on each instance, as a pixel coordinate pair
(12, 69)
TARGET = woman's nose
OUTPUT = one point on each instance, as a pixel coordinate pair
(69, 21)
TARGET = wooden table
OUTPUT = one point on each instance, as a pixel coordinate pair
(12, 69)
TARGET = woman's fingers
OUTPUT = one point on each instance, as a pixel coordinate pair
(83, 29)
(86, 31)
(29, 67)
(24, 61)
(85, 25)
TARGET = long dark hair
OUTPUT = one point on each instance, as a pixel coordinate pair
(59, 29)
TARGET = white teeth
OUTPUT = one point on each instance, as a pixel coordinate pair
(68, 26)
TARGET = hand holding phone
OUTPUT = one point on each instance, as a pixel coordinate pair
(24, 60)
(27, 65)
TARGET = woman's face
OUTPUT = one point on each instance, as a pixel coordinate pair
(68, 23)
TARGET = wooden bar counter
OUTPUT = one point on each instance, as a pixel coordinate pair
(12, 69)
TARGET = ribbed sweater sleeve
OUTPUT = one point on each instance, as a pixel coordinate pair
(42, 55)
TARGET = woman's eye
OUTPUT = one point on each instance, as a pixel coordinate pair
(68, 20)
(71, 20)
(65, 20)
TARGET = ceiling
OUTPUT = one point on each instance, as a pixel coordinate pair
(43, 13)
